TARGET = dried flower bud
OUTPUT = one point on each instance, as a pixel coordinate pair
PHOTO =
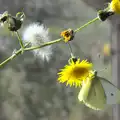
(68, 35)
(103, 15)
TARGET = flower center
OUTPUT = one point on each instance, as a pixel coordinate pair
(78, 72)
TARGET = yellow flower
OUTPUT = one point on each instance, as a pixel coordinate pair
(75, 73)
(106, 50)
(67, 35)
(115, 6)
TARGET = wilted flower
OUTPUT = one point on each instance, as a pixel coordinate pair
(76, 73)
(37, 35)
(68, 35)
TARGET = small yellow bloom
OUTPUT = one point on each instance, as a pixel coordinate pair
(75, 73)
(115, 6)
(67, 35)
(106, 50)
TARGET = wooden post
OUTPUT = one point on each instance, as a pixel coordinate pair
(115, 44)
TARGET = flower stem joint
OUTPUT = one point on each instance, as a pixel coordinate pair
(68, 35)
(74, 59)
(103, 15)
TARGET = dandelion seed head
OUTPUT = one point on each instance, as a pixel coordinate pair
(37, 34)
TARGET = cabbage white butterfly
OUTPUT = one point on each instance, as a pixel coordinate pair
(98, 93)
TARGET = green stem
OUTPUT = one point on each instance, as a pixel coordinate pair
(28, 49)
(58, 40)
(20, 40)
(88, 23)
(45, 44)
(12, 56)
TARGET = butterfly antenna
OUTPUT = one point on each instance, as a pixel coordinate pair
(102, 70)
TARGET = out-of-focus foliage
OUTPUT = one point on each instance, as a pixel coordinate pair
(28, 87)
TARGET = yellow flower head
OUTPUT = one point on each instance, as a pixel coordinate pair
(67, 35)
(115, 6)
(75, 73)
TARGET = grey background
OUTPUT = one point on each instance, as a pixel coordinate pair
(28, 86)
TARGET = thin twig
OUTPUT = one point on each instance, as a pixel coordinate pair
(20, 40)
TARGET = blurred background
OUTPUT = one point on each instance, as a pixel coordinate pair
(28, 86)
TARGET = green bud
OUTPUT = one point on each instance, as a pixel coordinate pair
(14, 23)
(103, 15)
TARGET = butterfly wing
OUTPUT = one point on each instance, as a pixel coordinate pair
(111, 91)
(95, 98)
(84, 91)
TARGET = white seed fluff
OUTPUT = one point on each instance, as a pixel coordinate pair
(37, 35)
